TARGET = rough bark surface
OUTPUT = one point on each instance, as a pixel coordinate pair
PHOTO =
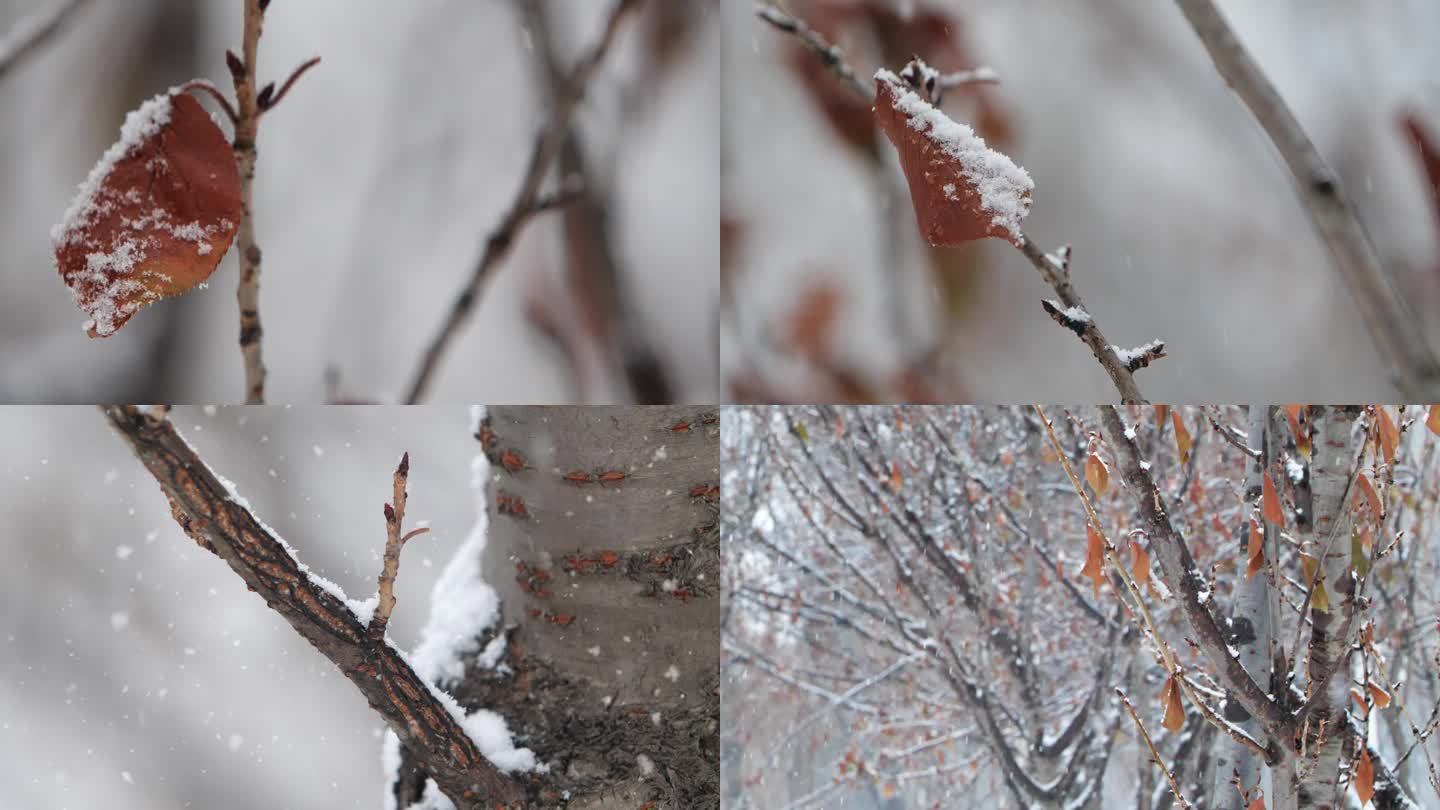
(210, 514)
(604, 549)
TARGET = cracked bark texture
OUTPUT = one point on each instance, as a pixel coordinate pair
(609, 588)
(211, 515)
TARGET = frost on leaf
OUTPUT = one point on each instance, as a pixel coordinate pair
(154, 217)
(962, 189)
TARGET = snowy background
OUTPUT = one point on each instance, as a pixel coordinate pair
(378, 180)
(137, 672)
(1182, 219)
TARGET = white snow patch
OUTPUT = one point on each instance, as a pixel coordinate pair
(647, 765)
(1003, 186)
(672, 674)
(123, 552)
(119, 620)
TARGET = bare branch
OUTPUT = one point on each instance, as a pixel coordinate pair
(1185, 578)
(1397, 333)
(830, 55)
(1054, 269)
(220, 522)
(267, 103)
(527, 203)
(1154, 754)
(394, 541)
(247, 127)
(30, 33)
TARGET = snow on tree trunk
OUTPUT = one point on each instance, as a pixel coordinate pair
(1251, 628)
(1326, 727)
(604, 549)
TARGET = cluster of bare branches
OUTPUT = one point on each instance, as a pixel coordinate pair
(1249, 590)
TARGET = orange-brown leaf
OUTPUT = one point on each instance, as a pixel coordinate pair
(1174, 709)
(1257, 550)
(1432, 421)
(154, 218)
(1182, 436)
(1364, 781)
(1094, 558)
(1258, 803)
(1270, 502)
(1389, 434)
(1142, 563)
(1379, 695)
(1097, 474)
(1162, 412)
(896, 481)
(1367, 489)
(961, 189)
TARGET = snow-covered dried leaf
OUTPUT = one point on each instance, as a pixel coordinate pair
(962, 190)
(154, 217)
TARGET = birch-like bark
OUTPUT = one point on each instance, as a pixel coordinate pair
(1252, 628)
(1324, 727)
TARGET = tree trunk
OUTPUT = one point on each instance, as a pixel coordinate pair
(604, 549)
(1325, 727)
(1252, 626)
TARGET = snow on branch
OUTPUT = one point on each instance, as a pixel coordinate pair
(1054, 268)
(430, 722)
(1184, 577)
(831, 55)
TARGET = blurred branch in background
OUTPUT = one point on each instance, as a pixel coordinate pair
(548, 143)
(27, 36)
(1397, 333)
(588, 314)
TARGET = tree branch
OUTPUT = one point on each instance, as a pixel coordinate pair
(1120, 364)
(394, 541)
(221, 522)
(250, 105)
(1397, 333)
(30, 33)
(527, 202)
(1183, 575)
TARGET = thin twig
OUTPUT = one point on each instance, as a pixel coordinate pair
(1154, 754)
(208, 88)
(830, 55)
(1397, 333)
(211, 513)
(1058, 277)
(526, 204)
(27, 34)
(1054, 269)
(394, 541)
(247, 126)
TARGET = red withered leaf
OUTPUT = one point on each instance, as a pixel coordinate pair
(1270, 501)
(1174, 710)
(961, 189)
(154, 217)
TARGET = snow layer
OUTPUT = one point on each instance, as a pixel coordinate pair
(1004, 187)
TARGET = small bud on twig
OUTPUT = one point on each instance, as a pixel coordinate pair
(236, 65)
